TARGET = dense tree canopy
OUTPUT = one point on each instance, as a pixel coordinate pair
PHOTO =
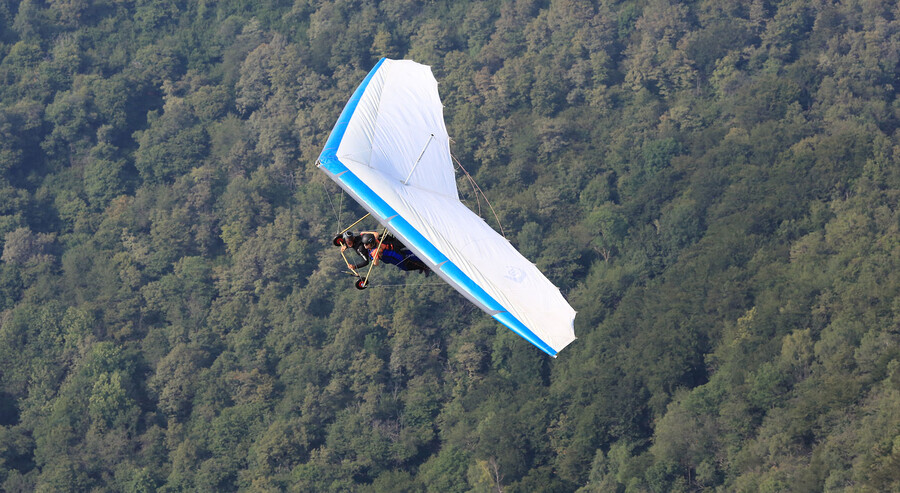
(715, 186)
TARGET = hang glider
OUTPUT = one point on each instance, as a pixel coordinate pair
(390, 151)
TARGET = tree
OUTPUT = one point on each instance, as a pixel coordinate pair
(659, 62)
(608, 228)
(108, 405)
(22, 246)
(103, 175)
(172, 146)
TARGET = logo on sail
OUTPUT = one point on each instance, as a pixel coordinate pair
(514, 274)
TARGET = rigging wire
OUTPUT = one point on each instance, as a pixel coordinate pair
(402, 285)
(328, 196)
(341, 209)
(475, 185)
(472, 183)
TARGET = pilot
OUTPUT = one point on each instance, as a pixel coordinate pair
(391, 251)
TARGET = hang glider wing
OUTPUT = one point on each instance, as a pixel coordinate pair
(390, 151)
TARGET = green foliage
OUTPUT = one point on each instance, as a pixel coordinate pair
(713, 185)
(172, 145)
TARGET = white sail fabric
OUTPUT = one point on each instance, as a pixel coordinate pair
(390, 150)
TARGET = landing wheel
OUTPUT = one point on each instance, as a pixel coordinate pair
(361, 284)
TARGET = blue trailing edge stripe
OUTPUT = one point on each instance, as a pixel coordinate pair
(518, 327)
(410, 235)
(428, 250)
(365, 194)
(459, 277)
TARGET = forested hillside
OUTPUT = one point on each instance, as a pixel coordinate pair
(714, 185)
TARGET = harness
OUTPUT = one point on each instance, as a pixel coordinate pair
(387, 254)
